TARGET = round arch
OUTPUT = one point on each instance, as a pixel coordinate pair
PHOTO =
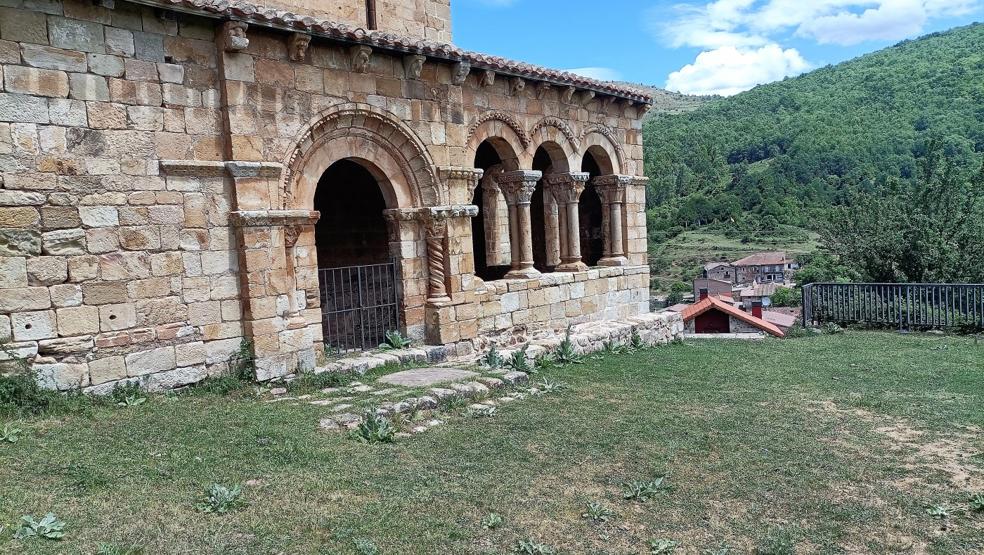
(504, 134)
(372, 137)
(605, 150)
(558, 140)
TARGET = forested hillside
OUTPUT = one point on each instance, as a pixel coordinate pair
(785, 153)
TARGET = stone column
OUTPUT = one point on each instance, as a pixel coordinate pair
(518, 187)
(611, 189)
(566, 189)
(436, 230)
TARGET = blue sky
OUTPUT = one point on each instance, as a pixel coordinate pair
(697, 46)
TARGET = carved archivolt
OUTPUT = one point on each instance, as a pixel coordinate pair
(610, 138)
(561, 126)
(495, 115)
(373, 124)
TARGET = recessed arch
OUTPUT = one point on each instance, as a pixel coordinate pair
(379, 140)
(504, 134)
(602, 143)
(556, 136)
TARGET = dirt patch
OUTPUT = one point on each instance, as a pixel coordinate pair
(948, 454)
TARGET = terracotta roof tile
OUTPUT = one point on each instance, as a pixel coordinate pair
(709, 303)
(251, 13)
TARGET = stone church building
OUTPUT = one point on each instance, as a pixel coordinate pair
(181, 175)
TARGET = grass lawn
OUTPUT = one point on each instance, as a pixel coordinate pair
(827, 444)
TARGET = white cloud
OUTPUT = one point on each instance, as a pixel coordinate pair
(741, 39)
(729, 70)
(599, 73)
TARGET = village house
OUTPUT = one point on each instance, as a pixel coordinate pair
(764, 267)
(183, 178)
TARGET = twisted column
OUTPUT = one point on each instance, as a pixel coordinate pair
(437, 231)
(611, 189)
(518, 187)
(566, 189)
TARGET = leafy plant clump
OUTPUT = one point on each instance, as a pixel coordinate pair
(375, 428)
(566, 353)
(938, 511)
(492, 521)
(530, 546)
(977, 503)
(49, 528)
(636, 340)
(220, 499)
(598, 512)
(662, 546)
(638, 490)
(395, 340)
(547, 386)
(486, 412)
(10, 434)
(493, 359)
(519, 362)
(832, 328)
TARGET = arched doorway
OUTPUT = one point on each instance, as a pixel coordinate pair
(590, 214)
(357, 277)
(549, 158)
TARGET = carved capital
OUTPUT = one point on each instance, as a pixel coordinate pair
(566, 187)
(413, 65)
(568, 95)
(518, 186)
(460, 72)
(361, 58)
(611, 188)
(488, 78)
(291, 233)
(232, 36)
(470, 177)
(517, 85)
(297, 46)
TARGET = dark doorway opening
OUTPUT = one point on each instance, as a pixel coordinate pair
(590, 215)
(358, 281)
(486, 158)
(351, 230)
(712, 321)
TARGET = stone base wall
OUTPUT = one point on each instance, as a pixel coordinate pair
(554, 301)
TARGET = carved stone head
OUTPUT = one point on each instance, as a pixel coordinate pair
(488, 78)
(361, 58)
(233, 36)
(413, 65)
(517, 85)
(568, 94)
(460, 73)
(297, 46)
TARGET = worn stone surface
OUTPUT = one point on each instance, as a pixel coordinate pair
(423, 377)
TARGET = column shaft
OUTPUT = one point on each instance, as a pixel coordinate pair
(518, 187)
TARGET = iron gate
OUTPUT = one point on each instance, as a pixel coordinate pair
(359, 304)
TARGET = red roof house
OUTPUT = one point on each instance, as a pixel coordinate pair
(714, 315)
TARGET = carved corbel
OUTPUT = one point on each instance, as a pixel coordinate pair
(568, 95)
(643, 108)
(586, 98)
(460, 72)
(361, 58)
(608, 101)
(488, 78)
(232, 37)
(297, 46)
(541, 89)
(626, 105)
(413, 66)
(517, 85)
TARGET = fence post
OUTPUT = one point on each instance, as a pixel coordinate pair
(806, 304)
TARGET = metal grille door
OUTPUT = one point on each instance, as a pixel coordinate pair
(359, 304)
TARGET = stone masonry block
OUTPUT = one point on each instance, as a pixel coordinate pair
(63, 242)
(23, 26)
(84, 86)
(62, 376)
(107, 369)
(46, 57)
(150, 362)
(32, 326)
(119, 41)
(13, 272)
(47, 270)
(21, 108)
(34, 81)
(106, 65)
(80, 320)
(115, 317)
(24, 299)
(74, 34)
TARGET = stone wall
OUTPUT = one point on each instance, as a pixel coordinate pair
(158, 173)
